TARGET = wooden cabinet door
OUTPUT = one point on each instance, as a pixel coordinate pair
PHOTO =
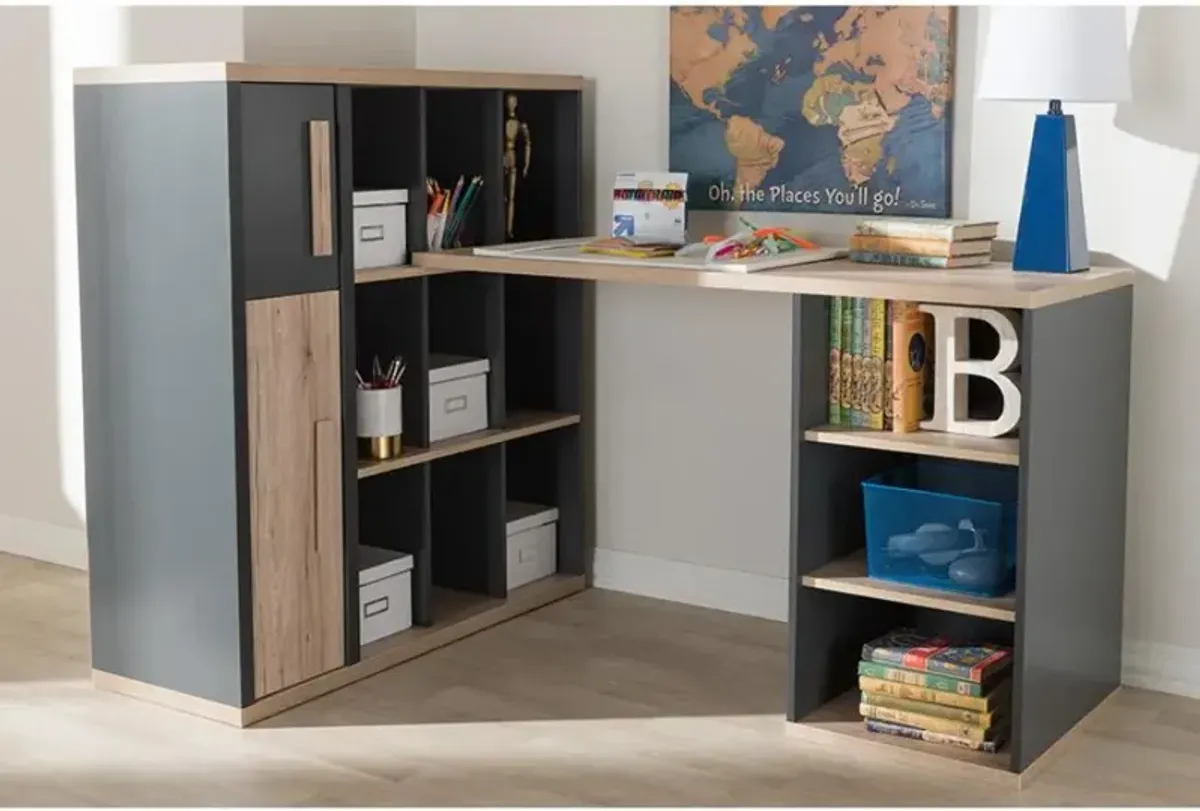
(288, 169)
(293, 392)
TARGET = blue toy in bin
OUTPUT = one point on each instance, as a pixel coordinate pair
(945, 525)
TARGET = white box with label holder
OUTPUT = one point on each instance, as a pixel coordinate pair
(532, 542)
(384, 593)
(457, 395)
(380, 228)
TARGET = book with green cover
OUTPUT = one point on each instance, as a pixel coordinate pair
(858, 351)
(958, 715)
(913, 650)
(835, 360)
(877, 315)
(910, 685)
(847, 362)
(930, 681)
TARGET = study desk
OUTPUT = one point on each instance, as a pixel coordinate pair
(1064, 619)
(227, 505)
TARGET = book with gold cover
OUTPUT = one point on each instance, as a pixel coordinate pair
(931, 723)
(910, 355)
(913, 686)
(982, 720)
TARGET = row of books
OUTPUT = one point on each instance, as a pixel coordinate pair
(927, 688)
(871, 385)
(923, 243)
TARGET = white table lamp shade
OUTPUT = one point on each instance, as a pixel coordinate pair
(1069, 53)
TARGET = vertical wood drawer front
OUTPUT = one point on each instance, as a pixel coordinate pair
(293, 388)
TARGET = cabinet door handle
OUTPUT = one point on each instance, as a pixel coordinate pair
(320, 187)
(325, 465)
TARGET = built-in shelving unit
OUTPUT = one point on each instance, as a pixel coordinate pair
(267, 554)
(453, 492)
(1063, 619)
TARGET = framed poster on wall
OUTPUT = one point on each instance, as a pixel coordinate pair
(813, 109)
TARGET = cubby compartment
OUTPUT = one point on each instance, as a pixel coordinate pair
(466, 320)
(388, 150)
(463, 138)
(543, 473)
(832, 628)
(543, 342)
(546, 203)
(393, 514)
(467, 509)
(391, 321)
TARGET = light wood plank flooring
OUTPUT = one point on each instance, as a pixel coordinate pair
(603, 699)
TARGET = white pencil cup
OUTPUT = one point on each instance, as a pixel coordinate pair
(380, 422)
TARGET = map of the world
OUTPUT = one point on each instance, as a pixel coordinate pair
(827, 109)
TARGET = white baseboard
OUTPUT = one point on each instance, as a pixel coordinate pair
(42, 541)
(1165, 668)
(724, 589)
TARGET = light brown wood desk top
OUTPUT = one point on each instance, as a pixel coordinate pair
(996, 285)
(315, 74)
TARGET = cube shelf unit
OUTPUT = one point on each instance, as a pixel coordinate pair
(237, 490)
(443, 502)
(1063, 620)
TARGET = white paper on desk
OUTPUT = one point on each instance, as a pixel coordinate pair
(568, 250)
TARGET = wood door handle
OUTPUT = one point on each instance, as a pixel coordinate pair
(320, 187)
(327, 477)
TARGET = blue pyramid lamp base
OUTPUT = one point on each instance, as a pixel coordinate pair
(1051, 236)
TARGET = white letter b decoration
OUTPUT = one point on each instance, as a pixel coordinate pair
(951, 367)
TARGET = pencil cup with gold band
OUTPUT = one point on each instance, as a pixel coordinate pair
(380, 422)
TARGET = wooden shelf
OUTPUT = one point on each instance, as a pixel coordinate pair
(371, 275)
(520, 424)
(849, 576)
(998, 451)
(839, 721)
(458, 613)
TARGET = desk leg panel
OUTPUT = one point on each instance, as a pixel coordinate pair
(1075, 366)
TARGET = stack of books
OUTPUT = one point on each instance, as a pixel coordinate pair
(926, 688)
(923, 243)
(871, 385)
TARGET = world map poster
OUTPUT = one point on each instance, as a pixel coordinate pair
(825, 109)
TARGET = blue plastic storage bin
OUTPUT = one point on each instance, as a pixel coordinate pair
(945, 525)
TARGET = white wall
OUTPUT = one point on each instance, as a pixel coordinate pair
(692, 500)
(36, 515)
(367, 36)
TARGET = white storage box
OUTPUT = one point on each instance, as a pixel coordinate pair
(532, 542)
(457, 395)
(380, 228)
(384, 593)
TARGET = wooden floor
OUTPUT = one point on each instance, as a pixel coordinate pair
(601, 699)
